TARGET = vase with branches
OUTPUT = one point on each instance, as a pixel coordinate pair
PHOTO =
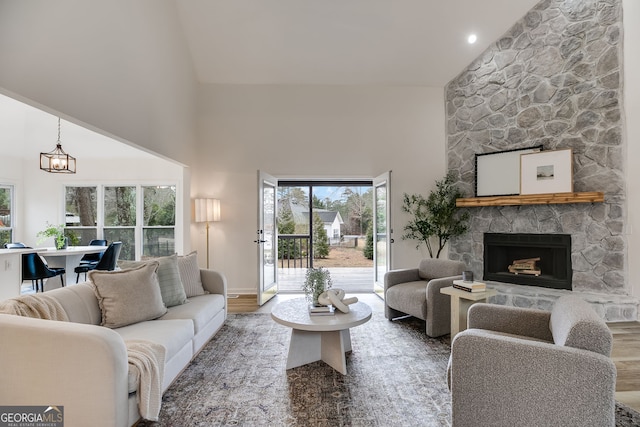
(435, 216)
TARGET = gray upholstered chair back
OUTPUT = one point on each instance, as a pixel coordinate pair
(432, 268)
(574, 323)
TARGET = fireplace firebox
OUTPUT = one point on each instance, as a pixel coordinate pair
(528, 259)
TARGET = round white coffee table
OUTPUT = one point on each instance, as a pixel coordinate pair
(314, 338)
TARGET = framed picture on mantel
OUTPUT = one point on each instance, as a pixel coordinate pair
(546, 172)
(498, 174)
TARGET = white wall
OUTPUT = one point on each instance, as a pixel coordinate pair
(287, 131)
(119, 66)
(631, 19)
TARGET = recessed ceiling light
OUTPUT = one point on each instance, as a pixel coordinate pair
(472, 38)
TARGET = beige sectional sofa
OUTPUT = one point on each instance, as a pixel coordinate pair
(83, 366)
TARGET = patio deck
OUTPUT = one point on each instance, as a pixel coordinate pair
(350, 279)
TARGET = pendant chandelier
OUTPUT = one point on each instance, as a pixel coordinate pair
(57, 161)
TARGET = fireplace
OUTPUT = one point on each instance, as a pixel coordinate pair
(528, 259)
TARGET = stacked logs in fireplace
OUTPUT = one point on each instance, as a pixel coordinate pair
(525, 266)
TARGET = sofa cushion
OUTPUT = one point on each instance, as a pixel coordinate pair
(200, 310)
(409, 298)
(574, 323)
(174, 335)
(190, 274)
(128, 296)
(432, 268)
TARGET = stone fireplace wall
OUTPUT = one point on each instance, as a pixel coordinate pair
(554, 79)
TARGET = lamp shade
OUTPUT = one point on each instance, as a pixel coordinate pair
(207, 210)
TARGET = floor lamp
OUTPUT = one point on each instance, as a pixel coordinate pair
(207, 210)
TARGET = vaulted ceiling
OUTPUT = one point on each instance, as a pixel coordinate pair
(303, 42)
(341, 42)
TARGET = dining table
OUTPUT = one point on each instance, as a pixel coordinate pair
(67, 258)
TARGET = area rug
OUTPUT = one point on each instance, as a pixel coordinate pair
(396, 377)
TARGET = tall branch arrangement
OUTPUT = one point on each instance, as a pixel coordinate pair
(436, 216)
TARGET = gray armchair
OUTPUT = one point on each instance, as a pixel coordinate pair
(525, 367)
(416, 292)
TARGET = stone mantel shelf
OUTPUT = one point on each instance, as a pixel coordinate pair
(532, 199)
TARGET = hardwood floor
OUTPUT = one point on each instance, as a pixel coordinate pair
(626, 356)
(625, 353)
(243, 304)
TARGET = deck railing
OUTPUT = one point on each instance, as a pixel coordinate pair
(294, 250)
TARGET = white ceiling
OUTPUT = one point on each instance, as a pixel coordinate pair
(341, 42)
(320, 42)
(26, 131)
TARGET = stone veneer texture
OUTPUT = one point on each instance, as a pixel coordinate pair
(554, 79)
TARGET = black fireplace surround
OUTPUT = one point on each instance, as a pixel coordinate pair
(554, 251)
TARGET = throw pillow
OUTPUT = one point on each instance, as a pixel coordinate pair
(127, 265)
(171, 286)
(128, 296)
(190, 274)
(170, 283)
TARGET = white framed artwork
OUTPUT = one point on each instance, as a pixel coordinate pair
(547, 172)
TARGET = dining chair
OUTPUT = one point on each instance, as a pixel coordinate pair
(35, 269)
(108, 261)
(20, 245)
(95, 257)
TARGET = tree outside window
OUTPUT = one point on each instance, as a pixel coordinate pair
(120, 218)
(81, 214)
(6, 208)
(159, 219)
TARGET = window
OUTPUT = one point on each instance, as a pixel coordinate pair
(159, 213)
(6, 210)
(81, 215)
(143, 218)
(120, 218)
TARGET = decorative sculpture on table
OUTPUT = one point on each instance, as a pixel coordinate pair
(336, 298)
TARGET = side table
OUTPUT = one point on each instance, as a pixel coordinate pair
(460, 303)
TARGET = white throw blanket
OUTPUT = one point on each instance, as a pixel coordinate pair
(147, 358)
(38, 306)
